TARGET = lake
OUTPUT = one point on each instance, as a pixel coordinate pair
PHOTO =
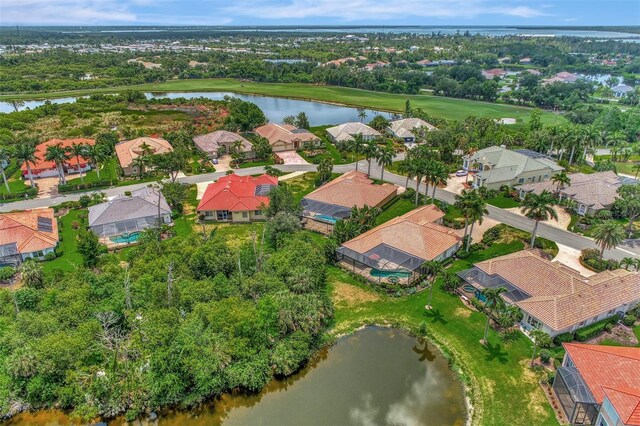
(275, 109)
(377, 376)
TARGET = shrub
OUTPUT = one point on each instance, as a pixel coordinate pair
(594, 329)
(590, 258)
(604, 215)
(70, 187)
(545, 356)
(50, 256)
(608, 327)
(7, 273)
(476, 247)
(551, 376)
(563, 338)
(463, 254)
(629, 320)
(491, 235)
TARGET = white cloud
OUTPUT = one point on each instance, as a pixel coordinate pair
(55, 12)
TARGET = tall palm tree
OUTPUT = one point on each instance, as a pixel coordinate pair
(432, 268)
(561, 180)
(539, 337)
(357, 143)
(6, 155)
(416, 171)
(78, 150)
(462, 201)
(608, 235)
(539, 207)
(58, 154)
(96, 154)
(476, 210)
(493, 302)
(384, 157)
(140, 163)
(26, 153)
(439, 176)
(636, 170)
(362, 114)
(370, 149)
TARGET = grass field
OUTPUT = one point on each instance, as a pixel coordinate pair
(70, 259)
(450, 108)
(16, 183)
(395, 208)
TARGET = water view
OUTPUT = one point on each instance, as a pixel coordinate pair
(376, 376)
(275, 109)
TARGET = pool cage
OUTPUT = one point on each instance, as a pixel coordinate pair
(384, 259)
(577, 401)
(479, 278)
(325, 212)
(125, 226)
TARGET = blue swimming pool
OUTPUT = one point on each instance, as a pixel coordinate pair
(126, 238)
(387, 274)
(325, 218)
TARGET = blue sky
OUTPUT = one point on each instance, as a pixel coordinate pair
(320, 12)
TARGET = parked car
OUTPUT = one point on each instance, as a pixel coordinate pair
(214, 160)
(461, 173)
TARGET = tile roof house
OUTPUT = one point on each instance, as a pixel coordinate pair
(561, 77)
(126, 215)
(400, 246)
(497, 166)
(406, 128)
(285, 137)
(27, 234)
(592, 193)
(599, 385)
(128, 151)
(43, 168)
(552, 296)
(220, 142)
(621, 90)
(236, 198)
(492, 73)
(346, 132)
(335, 199)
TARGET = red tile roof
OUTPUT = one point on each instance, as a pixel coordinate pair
(21, 228)
(41, 151)
(236, 193)
(614, 370)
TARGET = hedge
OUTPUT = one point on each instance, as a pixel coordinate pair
(70, 187)
(594, 329)
(27, 193)
(563, 338)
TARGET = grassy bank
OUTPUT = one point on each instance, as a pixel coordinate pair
(451, 108)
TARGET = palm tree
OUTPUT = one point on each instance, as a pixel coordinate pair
(433, 268)
(439, 176)
(5, 158)
(539, 207)
(362, 114)
(416, 171)
(561, 180)
(78, 150)
(461, 203)
(608, 235)
(140, 162)
(58, 154)
(539, 337)
(493, 302)
(96, 154)
(476, 210)
(26, 153)
(627, 262)
(357, 144)
(384, 157)
(370, 149)
(636, 170)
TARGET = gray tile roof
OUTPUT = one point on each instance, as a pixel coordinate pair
(210, 142)
(141, 203)
(506, 165)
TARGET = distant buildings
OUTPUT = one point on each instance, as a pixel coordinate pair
(621, 90)
(561, 77)
(285, 137)
(44, 168)
(128, 151)
(29, 234)
(236, 198)
(493, 73)
(146, 64)
(525, 61)
(346, 132)
(497, 166)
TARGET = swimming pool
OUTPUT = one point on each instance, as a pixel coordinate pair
(126, 238)
(325, 218)
(387, 274)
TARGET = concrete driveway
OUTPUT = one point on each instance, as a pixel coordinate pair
(291, 157)
(455, 183)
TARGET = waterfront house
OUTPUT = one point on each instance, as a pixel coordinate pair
(552, 296)
(345, 132)
(621, 90)
(236, 198)
(493, 73)
(29, 234)
(599, 385)
(397, 250)
(496, 166)
(408, 129)
(285, 137)
(219, 143)
(43, 168)
(128, 151)
(121, 219)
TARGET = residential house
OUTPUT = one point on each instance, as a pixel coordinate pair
(43, 168)
(194, 64)
(592, 193)
(407, 128)
(622, 90)
(561, 77)
(30, 234)
(493, 73)
(285, 137)
(375, 65)
(128, 151)
(497, 166)
(554, 297)
(346, 132)
(398, 249)
(121, 219)
(504, 60)
(525, 61)
(236, 198)
(334, 200)
(532, 71)
(219, 143)
(599, 385)
(424, 62)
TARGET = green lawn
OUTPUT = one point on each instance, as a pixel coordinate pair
(302, 185)
(70, 258)
(395, 208)
(108, 171)
(16, 183)
(331, 151)
(498, 374)
(450, 108)
(256, 164)
(503, 202)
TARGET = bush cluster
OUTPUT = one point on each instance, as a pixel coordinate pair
(70, 187)
(591, 259)
(594, 329)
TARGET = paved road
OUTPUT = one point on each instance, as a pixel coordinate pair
(629, 248)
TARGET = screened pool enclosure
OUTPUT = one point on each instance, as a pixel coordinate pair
(577, 401)
(383, 261)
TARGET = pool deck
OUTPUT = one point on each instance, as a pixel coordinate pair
(323, 228)
(365, 272)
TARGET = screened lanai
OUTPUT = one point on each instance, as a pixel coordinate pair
(382, 262)
(125, 226)
(325, 212)
(578, 403)
(480, 279)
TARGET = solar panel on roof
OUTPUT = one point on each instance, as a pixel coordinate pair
(45, 224)
(263, 189)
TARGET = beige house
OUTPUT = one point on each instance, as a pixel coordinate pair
(128, 151)
(408, 129)
(285, 137)
(220, 142)
(497, 166)
(552, 296)
(346, 132)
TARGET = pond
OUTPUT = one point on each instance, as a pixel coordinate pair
(275, 109)
(377, 376)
